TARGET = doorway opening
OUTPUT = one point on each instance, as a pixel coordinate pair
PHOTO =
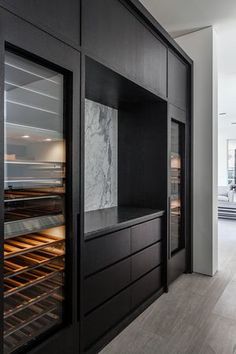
(226, 167)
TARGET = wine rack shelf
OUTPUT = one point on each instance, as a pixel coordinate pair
(29, 243)
(25, 298)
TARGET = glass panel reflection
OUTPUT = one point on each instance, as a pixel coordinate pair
(176, 176)
(34, 230)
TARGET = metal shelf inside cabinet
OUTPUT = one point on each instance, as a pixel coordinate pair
(31, 73)
(35, 266)
(53, 164)
(51, 181)
(27, 226)
(26, 128)
(43, 289)
(33, 183)
(48, 273)
(26, 334)
(9, 84)
(33, 108)
(31, 198)
(34, 317)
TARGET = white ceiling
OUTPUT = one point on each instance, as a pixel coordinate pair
(183, 16)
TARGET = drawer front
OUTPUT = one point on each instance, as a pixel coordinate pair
(106, 250)
(105, 284)
(98, 322)
(145, 234)
(145, 287)
(145, 260)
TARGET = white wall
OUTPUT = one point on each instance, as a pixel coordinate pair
(227, 130)
(200, 46)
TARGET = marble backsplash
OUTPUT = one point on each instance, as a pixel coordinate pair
(101, 124)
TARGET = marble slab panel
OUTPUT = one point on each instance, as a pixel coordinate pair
(101, 129)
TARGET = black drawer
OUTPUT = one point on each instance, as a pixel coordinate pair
(145, 260)
(105, 284)
(106, 250)
(145, 234)
(98, 322)
(145, 287)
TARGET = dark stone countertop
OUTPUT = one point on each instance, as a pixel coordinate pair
(103, 221)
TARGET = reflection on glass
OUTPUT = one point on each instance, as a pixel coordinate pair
(34, 229)
(176, 206)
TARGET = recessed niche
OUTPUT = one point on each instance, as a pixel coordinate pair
(125, 150)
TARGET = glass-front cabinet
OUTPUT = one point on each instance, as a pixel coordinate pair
(34, 201)
(177, 241)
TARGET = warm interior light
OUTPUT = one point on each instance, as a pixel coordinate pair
(25, 136)
(48, 139)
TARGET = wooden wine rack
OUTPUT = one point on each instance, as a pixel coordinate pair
(33, 286)
(28, 243)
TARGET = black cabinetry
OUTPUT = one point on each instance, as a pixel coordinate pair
(177, 81)
(112, 262)
(178, 253)
(57, 17)
(126, 279)
(37, 282)
(112, 34)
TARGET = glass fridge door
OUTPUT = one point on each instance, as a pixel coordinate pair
(177, 185)
(34, 227)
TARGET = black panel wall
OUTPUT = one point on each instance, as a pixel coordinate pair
(177, 81)
(142, 170)
(58, 17)
(112, 34)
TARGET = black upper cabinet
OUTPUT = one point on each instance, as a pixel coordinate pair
(58, 17)
(112, 34)
(177, 81)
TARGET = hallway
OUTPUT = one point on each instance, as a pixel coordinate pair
(197, 316)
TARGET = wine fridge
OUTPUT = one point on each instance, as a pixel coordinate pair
(34, 201)
(177, 186)
(177, 255)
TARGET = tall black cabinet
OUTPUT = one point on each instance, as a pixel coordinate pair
(39, 125)
(72, 277)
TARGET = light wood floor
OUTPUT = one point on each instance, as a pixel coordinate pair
(197, 316)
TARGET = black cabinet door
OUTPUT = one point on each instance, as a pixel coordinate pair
(58, 17)
(115, 36)
(38, 84)
(177, 81)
